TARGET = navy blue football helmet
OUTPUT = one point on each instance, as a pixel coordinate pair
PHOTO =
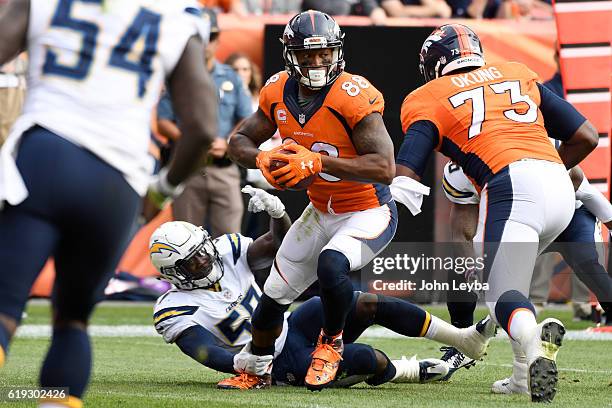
(313, 30)
(449, 48)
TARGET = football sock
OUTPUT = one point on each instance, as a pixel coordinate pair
(68, 361)
(387, 375)
(402, 317)
(443, 332)
(515, 314)
(4, 343)
(336, 290)
(460, 303)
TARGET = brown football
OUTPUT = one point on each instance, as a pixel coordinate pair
(277, 164)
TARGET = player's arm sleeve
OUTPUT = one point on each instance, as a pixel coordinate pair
(561, 119)
(170, 322)
(420, 141)
(594, 201)
(199, 344)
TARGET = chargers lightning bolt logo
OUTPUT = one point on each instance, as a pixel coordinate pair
(158, 247)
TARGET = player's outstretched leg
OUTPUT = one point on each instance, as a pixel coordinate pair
(363, 363)
(410, 320)
(540, 342)
(336, 295)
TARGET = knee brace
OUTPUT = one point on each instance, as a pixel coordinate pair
(332, 269)
(269, 314)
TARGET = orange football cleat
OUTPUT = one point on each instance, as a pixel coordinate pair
(326, 359)
(245, 381)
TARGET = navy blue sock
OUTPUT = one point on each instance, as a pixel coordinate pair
(507, 303)
(68, 361)
(461, 313)
(460, 303)
(400, 316)
(385, 376)
(336, 290)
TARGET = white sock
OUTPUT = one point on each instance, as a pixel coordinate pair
(443, 332)
(522, 321)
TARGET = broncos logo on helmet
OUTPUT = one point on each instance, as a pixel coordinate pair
(449, 48)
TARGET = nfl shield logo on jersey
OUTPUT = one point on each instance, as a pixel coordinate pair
(302, 119)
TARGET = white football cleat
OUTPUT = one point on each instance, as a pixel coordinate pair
(419, 371)
(475, 339)
(541, 349)
(508, 386)
(515, 384)
(455, 360)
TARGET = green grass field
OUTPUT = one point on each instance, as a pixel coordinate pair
(145, 372)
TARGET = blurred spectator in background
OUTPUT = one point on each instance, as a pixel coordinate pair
(12, 93)
(249, 73)
(272, 6)
(213, 198)
(531, 9)
(474, 8)
(416, 8)
(368, 8)
(225, 6)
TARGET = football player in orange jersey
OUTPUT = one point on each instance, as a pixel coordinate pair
(494, 121)
(333, 120)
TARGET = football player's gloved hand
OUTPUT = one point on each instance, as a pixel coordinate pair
(160, 192)
(263, 201)
(300, 165)
(245, 362)
(262, 161)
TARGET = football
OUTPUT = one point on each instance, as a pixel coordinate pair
(277, 164)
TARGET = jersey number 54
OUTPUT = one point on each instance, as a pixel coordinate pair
(145, 25)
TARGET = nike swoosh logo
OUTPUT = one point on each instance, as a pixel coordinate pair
(373, 100)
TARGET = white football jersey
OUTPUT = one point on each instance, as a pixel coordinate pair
(96, 69)
(457, 187)
(224, 310)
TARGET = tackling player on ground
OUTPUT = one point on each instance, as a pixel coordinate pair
(494, 121)
(334, 120)
(208, 313)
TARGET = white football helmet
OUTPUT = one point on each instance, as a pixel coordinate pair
(185, 256)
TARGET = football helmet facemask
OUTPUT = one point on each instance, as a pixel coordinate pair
(185, 256)
(449, 48)
(313, 30)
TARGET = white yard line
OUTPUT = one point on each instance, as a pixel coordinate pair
(43, 330)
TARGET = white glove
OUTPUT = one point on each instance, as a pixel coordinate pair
(409, 192)
(161, 191)
(262, 201)
(245, 362)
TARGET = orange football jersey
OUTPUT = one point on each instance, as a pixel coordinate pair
(326, 126)
(486, 118)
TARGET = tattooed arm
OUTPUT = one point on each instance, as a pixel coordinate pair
(243, 145)
(375, 163)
